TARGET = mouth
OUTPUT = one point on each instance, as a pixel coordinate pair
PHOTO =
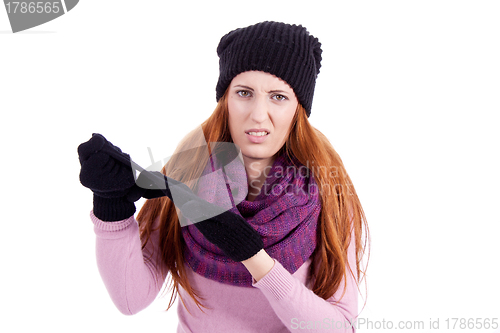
(257, 135)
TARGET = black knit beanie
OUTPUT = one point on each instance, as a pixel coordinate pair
(286, 51)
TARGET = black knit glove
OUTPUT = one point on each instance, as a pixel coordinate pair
(108, 172)
(104, 170)
(227, 230)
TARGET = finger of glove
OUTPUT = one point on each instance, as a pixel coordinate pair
(116, 153)
(135, 193)
(228, 225)
(153, 185)
(197, 210)
(92, 146)
(152, 180)
(232, 234)
(102, 173)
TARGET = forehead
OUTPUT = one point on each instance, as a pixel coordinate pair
(261, 79)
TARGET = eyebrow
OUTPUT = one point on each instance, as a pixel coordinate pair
(251, 89)
(278, 92)
(244, 87)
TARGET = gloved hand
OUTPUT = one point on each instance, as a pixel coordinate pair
(104, 170)
(228, 231)
(108, 172)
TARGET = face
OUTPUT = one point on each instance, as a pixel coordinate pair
(261, 108)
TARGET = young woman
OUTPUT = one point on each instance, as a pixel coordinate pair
(285, 253)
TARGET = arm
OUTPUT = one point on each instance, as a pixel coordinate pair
(130, 274)
(296, 305)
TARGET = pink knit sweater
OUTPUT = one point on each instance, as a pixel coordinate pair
(279, 302)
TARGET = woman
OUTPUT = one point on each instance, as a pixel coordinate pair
(285, 252)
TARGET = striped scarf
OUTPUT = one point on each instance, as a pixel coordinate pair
(285, 214)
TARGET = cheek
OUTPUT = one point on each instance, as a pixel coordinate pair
(231, 123)
(234, 123)
(285, 122)
(283, 132)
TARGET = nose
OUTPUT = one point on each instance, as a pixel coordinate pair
(260, 110)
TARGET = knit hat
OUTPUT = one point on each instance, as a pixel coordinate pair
(286, 51)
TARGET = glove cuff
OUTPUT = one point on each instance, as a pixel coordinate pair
(113, 209)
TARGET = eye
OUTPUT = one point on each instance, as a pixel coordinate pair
(280, 97)
(244, 93)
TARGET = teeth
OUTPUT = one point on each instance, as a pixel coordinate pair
(258, 133)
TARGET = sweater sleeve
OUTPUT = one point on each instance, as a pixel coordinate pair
(131, 274)
(299, 308)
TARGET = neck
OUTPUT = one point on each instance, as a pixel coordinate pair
(257, 171)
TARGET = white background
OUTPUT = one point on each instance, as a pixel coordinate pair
(408, 94)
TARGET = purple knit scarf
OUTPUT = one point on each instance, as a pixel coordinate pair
(285, 214)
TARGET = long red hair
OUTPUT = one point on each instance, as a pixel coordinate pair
(341, 213)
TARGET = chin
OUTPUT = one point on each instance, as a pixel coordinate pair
(257, 153)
